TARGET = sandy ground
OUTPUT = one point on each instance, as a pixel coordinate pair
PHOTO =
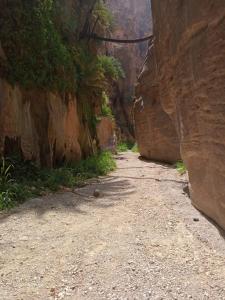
(138, 240)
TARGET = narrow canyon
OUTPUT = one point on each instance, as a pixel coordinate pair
(112, 149)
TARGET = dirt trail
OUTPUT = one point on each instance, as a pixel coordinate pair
(137, 241)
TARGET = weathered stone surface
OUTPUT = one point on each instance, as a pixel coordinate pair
(45, 127)
(40, 126)
(155, 133)
(106, 134)
(64, 128)
(190, 51)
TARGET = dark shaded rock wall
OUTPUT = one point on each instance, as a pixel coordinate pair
(132, 19)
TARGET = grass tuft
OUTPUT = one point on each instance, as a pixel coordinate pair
(135, 148)
(125, 146)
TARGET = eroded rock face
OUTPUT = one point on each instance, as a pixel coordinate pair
(106, 134)
(40, 126)
(190, 51)
(132, 19)
(155, 133)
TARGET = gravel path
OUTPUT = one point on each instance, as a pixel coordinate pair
(141, 239)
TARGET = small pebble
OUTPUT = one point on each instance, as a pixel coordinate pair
(96, 193)
(196, 219)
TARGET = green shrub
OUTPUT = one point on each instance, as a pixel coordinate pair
(104, 15)
(105, 108)
(15, 190)
(111, 67)
(42, 47)
(97, 165)
(6, 194)
(74, 174)
(135, 148)
(125, 146)
(122, 147)
(36, 54)
(6, 199)
(10, 190)
(90, 75)
(53, 179)
(181, 168)
(20, 169)
(106, 111)
(21, 191)
(5, 175)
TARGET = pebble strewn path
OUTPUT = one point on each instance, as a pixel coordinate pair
(141, 239)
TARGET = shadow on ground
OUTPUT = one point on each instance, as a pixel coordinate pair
(151, 178)
(156, 162)
(112, 190)
(220, 229)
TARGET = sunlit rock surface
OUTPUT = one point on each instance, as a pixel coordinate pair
(155, 132)
(190, 52)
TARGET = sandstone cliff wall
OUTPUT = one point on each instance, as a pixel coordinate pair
(48, 127)
(190, 54)
(155, 133)
(106, 134)
(40, 126)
